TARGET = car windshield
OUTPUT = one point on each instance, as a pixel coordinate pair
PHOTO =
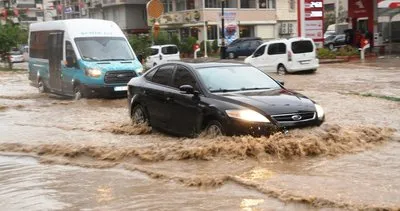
(103, 48)
(235, 78)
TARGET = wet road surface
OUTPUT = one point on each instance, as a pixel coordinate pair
(85, 155)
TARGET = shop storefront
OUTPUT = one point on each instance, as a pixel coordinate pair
(378, 20)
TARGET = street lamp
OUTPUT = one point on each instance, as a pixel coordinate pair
(223, 48)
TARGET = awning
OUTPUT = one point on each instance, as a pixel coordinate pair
(388, 4)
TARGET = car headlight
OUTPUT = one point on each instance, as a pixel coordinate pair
(320, 111)
(95, 73)
(247, 115)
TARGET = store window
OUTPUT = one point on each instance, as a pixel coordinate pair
(212, 32)
(217, 4)
(246, 31)
(248, 4)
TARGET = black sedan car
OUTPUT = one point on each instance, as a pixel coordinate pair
(228, 99)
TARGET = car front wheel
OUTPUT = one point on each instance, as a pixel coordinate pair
(231, 55)
(138, 115)
(214, 128)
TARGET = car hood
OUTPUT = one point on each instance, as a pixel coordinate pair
(271, 102)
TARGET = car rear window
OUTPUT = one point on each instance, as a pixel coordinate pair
(303, 46)
(169, 50)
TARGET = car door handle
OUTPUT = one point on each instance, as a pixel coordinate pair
(169, 99)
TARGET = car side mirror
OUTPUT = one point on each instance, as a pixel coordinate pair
(187, 89)
(70, 61)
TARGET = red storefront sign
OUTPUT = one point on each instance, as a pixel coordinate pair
(311, 20)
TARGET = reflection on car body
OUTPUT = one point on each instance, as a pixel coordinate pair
(229, 99)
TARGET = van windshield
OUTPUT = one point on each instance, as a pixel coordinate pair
(103, 48)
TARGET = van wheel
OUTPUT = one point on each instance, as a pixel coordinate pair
(139, 116)
(214, 128)
(231, 55)
(41, 87)
(78, 92)
(281, 70)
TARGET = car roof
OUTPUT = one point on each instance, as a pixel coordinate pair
(209, 64)
(159, 46)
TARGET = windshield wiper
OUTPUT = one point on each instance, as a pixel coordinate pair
(254, 88)
(114, 59)
(224, 90)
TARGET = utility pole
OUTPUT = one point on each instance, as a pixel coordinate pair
(223, 48)
(336, 16)
(205, 39)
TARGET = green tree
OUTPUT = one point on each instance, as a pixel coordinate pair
(141, 45)
(11, 35)
(8, 34)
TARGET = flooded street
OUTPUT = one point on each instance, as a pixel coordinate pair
(56, 153)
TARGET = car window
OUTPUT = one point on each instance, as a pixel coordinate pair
(260, 51)
(154, 51)
(69, 50)
(277, 48)
(254, 44)
(302, 46)
(169, 50)
(244, 44)
(183, 77)
(163, 75)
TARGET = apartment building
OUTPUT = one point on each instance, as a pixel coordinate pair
(268, 19)
(31, 11)
(130, 15)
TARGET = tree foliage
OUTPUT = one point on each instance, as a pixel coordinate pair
(11, 35)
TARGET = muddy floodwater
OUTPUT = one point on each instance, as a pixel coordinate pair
(60, 154)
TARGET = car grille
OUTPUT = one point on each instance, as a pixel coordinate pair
(113, 77)
(296, 117)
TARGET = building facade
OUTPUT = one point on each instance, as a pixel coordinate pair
(268, 19)
(130, 15)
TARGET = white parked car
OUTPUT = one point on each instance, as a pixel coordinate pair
(161, 54)
(16, 56)
(286, 55)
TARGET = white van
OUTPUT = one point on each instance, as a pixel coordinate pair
(161, 54)
(287, 55)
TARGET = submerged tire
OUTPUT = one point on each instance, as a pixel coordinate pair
(215, 128)
(281, 70)
(41, 87)
(139, 116)
(78, 92)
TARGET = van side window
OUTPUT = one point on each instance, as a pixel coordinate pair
(277, 48)
(154, 51)
(260, 51)
(163, 75)
(38, 44)
(69, 50)
(169, 50)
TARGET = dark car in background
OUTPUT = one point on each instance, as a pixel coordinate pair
(219, 98)
(243, 47)
(335, 41)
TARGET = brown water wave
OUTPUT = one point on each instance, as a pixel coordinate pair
(210, 182)
(326, 140)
